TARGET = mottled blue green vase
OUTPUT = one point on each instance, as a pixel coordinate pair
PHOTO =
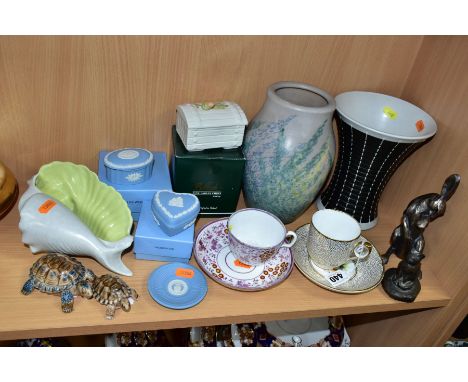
(289, 147)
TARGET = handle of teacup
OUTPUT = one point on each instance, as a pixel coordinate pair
(361, 250)
(289, 243)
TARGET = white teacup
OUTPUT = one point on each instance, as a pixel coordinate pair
(334, 239)
(256, 235)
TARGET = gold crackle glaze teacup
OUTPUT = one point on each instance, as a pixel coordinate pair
(335, 239)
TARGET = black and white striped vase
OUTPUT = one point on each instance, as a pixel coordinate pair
(376, 134)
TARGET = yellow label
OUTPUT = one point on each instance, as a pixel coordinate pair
(47, 206)
(389, 112)
(185, 273)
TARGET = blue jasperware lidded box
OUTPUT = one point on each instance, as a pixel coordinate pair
(128, 166)
(174, 212)
(152, 243)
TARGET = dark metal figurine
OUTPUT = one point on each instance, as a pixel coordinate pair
(407, 241)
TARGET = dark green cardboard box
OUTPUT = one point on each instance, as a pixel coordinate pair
(213, 175)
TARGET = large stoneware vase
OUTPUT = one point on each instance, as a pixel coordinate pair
(289, 147)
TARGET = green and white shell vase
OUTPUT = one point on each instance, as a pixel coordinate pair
(67, 209)
(289, 147)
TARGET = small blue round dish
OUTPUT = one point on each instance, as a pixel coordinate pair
(177, 286)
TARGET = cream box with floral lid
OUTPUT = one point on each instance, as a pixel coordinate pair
(210, 125)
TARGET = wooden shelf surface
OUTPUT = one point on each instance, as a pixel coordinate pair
(39, 315)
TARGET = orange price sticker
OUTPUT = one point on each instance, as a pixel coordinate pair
(420, 125)
(241, 264)
(47, 206)
(185, 273)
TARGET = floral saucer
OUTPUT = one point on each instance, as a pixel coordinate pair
(369, 272)
(212, 253)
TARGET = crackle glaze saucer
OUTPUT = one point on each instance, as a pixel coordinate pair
(369, 272)
(212, 253)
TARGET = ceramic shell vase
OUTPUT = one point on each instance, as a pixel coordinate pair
(289, 147)
(66, 209)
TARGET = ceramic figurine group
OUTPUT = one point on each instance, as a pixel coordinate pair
(63, 275)
(309, 332)
(288, 151)
(138, 339)
(76, 227)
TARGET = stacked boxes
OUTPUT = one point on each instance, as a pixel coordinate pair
(151, 243)
(135, 194)
(214, 176)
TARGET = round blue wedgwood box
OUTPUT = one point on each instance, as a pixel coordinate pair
(129, 165)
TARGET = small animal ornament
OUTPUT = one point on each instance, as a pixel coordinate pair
(56, 273)
(113, 292)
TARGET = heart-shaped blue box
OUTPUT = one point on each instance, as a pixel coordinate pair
(174, 212)
(152, 243)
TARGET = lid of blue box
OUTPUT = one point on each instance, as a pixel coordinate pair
(175, 210)
(128, 158)
(148, 229)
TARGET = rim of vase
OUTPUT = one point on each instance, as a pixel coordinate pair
(343, 100)
(329, 107)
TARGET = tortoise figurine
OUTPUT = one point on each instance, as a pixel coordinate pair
(56, 273)
(113, 292)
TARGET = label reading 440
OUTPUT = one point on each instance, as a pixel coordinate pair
(339, 277)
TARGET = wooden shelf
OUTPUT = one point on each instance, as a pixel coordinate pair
(65, 99)
(39, 315)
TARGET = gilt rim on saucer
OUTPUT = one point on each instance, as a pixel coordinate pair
(299, 251)
(221, 250)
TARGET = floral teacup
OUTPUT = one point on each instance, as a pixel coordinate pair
(256, 235)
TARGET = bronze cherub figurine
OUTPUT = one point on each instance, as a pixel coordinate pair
(407, 241)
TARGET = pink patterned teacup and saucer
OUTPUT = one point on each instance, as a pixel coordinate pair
(249, 251)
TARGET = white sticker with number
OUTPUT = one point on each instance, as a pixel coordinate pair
(338, 276)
